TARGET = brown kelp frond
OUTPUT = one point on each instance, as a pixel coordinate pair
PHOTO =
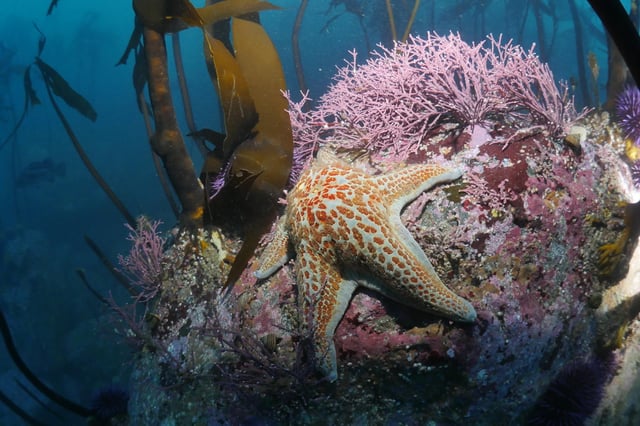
(52, 6)
(412, 17)
(134, 42)
(256, 54)
(38, 400)
(140, 79)
(33, 379)
(269, 154)
(30, 98)
(230, 8)
(83, 278)
(63, 90)
(42, 40)
(18, 411)
(184, 92)
(87, 162)
(295, 45)
(622, 31)
(119, 276)
(392, 20)
(55, 84)
(176, 15)
(257, 150)
(153, 19)
(258, 155)
(30, 94)
(240, 115)
(166, 15)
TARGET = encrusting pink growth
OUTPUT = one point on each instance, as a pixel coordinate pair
(344, 226)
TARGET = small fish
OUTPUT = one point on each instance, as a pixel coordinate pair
(40, 171)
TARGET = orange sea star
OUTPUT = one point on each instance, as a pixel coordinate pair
(344, 227)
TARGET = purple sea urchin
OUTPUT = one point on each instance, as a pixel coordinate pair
(110, 402)
(573, 396)
(628, 112)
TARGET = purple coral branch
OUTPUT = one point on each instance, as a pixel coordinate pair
(391, 104)
(306, 134)
(143, 264)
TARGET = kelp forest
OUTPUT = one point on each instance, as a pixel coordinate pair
(331, 212)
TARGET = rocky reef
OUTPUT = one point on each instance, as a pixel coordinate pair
(519, 236)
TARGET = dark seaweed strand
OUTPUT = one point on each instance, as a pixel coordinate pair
(24, 110)
(37, 399)
(83, 277)
(15, 408)
(122, 279)
(87, 162)
(35, 381)
(616, 21)
(295, 46)
(157, 161)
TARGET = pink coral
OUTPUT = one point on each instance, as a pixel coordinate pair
(394, 102)
(143, 264)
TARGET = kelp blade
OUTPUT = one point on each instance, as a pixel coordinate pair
(30, 98)
(63, 90)
(175, 15)
(134, 41)
(167, 15)
(267, 156)
(28, 88)
(229, 8)
(263, 72)
(240, 114)
(52, 6)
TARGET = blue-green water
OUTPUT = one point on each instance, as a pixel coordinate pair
(62, 331)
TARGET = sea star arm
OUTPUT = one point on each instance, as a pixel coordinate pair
(404, 272)
(407, 276)
(276, 254)
(404, 185)
(325, 296)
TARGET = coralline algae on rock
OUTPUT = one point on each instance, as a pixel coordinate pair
(518, 237)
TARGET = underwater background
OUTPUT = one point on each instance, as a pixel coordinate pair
(74, 342)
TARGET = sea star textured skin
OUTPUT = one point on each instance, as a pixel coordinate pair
(344, 227)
